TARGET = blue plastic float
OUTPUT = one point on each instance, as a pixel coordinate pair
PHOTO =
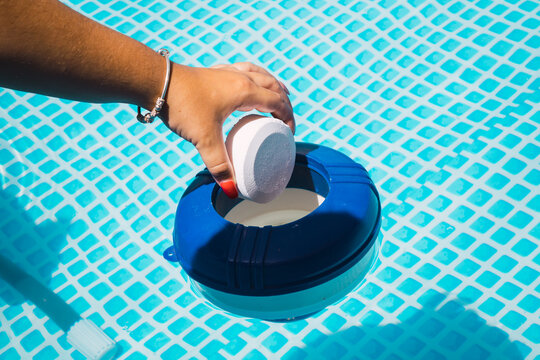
(288, 271)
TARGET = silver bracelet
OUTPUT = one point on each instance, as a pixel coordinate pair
(150, 116)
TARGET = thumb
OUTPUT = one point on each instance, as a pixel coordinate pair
(215, 157)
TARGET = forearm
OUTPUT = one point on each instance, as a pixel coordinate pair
(48, 48)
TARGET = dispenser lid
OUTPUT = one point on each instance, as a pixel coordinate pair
(273, 260)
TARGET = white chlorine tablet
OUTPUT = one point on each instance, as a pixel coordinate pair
(263, 152)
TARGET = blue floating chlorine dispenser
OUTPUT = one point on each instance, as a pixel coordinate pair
(287, 258)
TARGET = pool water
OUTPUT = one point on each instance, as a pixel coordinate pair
(437, 99)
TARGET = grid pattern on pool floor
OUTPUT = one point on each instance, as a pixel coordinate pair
(438, 100)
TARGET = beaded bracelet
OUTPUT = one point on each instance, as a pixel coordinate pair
(150, 116)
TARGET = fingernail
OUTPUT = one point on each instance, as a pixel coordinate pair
(285, 88)
(229, 188)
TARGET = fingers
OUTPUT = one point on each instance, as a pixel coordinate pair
(215, 157)
(266, 81)
(291, 123)
(283, 113)
(280, 107)
(268, 101)
(250, 67)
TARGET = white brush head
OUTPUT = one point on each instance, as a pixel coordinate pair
(262, 151)
(91, 341)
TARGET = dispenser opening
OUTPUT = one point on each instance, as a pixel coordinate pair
(292, 204)
(306, 191)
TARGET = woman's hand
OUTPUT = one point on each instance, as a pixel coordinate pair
(200, 99)
(94, 63)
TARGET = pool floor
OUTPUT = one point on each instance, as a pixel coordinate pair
(437, 99)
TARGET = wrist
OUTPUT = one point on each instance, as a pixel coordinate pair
(178, 88)
(160, 101)
(152, 72)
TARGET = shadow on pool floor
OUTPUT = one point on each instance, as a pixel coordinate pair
(33, 247)
(443, 329)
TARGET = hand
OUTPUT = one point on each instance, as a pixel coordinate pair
(200, 99)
